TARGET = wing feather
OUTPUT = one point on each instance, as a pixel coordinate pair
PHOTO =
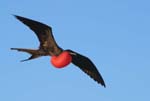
(86, 65)
(43, 32)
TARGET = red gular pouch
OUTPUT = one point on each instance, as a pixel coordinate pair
(61, 60)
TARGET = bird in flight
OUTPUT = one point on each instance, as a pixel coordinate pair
(59, 57)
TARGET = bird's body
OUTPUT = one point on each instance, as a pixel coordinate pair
(60, 57)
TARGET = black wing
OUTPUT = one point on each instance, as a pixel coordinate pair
(43, 32)
(87, 66)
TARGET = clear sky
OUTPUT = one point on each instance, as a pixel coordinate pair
(114, 34)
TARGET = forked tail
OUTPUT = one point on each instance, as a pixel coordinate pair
(34, 53)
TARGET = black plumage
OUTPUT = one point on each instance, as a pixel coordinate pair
(48, 46)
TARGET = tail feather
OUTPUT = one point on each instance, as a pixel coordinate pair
(30, 51)
(30, 58)
(34, 53)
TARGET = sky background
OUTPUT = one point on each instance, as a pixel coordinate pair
(114, 34)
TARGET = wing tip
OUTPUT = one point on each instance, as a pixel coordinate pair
(101, 83)
(16, 16)
(13, 48)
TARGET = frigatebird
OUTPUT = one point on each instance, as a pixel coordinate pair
(60, 57)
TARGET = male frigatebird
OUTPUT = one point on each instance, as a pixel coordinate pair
(60, 57)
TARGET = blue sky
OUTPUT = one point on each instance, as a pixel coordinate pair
(114, 34)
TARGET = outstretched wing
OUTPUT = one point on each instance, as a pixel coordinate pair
(43, 32)
(87, 66)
